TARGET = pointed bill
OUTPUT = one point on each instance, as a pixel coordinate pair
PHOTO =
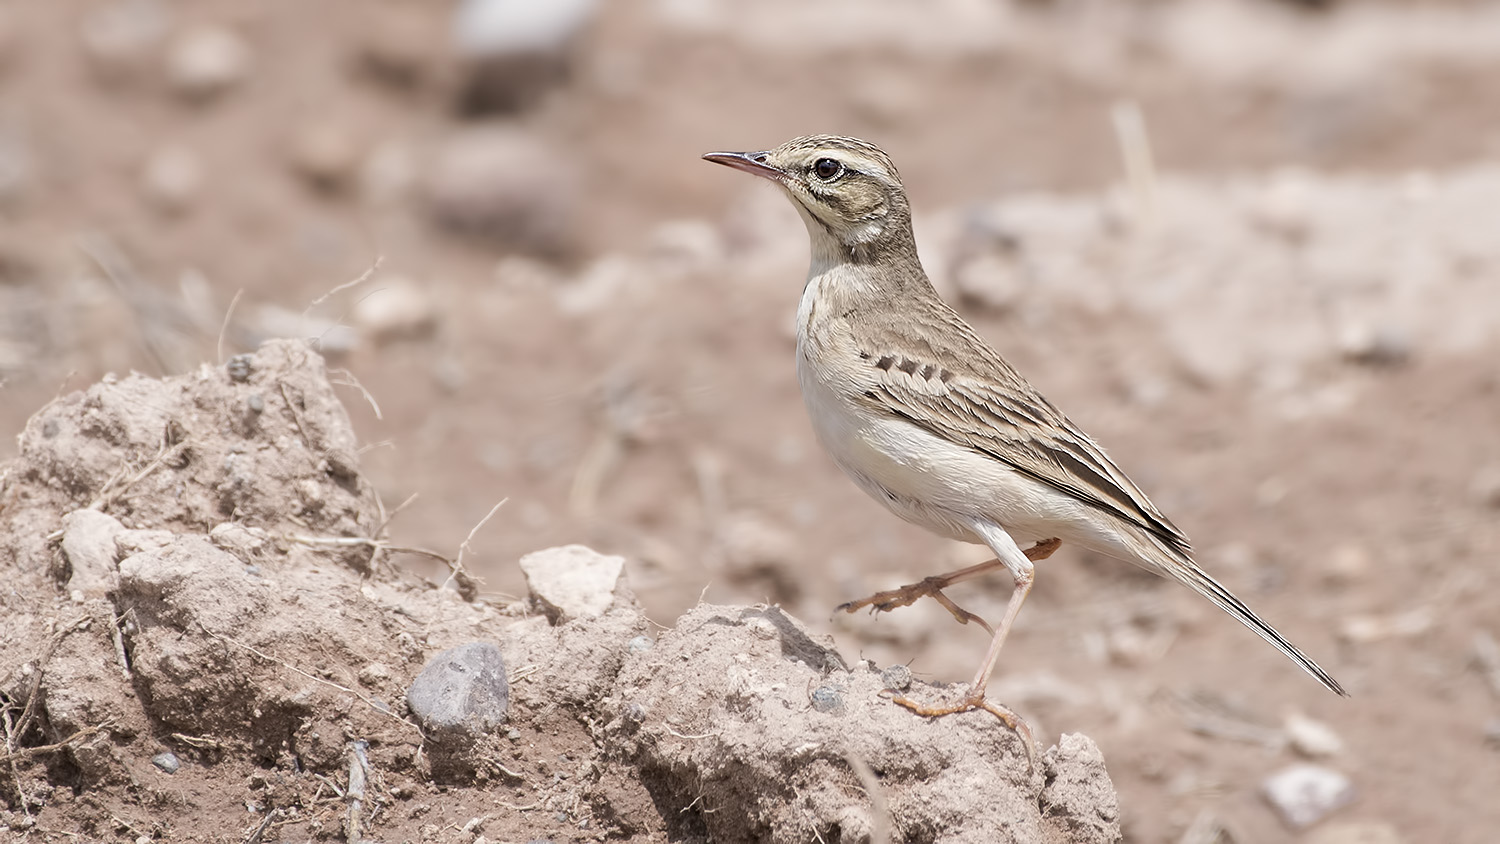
(750, 162)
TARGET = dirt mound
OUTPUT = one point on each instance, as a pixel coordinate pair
(202, 621)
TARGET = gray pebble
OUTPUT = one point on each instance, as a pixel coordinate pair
(639, 644)
(896, 677)
(827, 699)
(461, 693)
(513, 734)
(239, 368)
(255, 403)
(167, 762)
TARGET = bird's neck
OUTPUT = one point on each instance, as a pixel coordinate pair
(884, 266)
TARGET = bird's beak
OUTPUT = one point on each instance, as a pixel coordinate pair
(750, 162)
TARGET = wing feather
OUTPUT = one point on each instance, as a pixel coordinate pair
(998, 414)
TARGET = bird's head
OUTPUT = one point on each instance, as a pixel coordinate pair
(847, 191)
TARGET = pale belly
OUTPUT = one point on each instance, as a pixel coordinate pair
(941, 486)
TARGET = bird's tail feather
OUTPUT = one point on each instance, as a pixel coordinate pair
(1180, 567)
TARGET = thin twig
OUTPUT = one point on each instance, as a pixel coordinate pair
(347, 379)
(363, 277)
(468, 585)
(508, 772)
(199, 742)
(363, 541)
(331, 784)
(224, 327)
(296, 417)
(27, 752)
(359, 769)
(668, 728)
(255, 836)
(119, 640)
(386, 519)
(109, 495)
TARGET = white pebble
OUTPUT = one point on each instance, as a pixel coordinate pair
(206, 61)
(1304, 794)
(1311, 737)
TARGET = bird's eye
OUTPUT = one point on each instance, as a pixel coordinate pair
(827, 168)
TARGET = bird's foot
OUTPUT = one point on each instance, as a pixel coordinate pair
(933, 587)
(975, 699)
(909, 594)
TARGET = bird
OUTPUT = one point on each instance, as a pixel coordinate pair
(929, 420)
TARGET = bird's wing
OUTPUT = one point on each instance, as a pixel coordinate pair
(977, 400)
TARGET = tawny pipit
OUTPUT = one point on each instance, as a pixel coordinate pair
(932, 422)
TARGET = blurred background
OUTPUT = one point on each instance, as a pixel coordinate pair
(1251, 246)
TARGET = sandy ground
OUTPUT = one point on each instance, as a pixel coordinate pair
(1286, 335)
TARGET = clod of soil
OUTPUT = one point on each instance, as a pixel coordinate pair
(205, 639)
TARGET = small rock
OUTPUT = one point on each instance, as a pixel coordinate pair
(1310, 737)
(896, 677)
(1363, 343)
(1486, 486)
(1492, 733)
(1354, 832)
(827, 699)
(121, 38)
(1304, 794)
(172, 179)
(462, 693)
(1348, 563)
(131, 542)
(167, 762)
(401, 43)
(247, 544)
(506, 27)
(639, 644)
(398, 310)
(506, 186)
(374, 674)
(516, 50)
(1284, 207)
(88, 544)
(206, 61)
(572, 581)
(762, 628)
(239, 367)
(326, 156)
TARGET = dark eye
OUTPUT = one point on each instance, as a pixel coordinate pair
(827, 168)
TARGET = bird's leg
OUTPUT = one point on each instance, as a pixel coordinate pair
(933, 586)
(974, 697)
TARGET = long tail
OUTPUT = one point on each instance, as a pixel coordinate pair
(1178, 566)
